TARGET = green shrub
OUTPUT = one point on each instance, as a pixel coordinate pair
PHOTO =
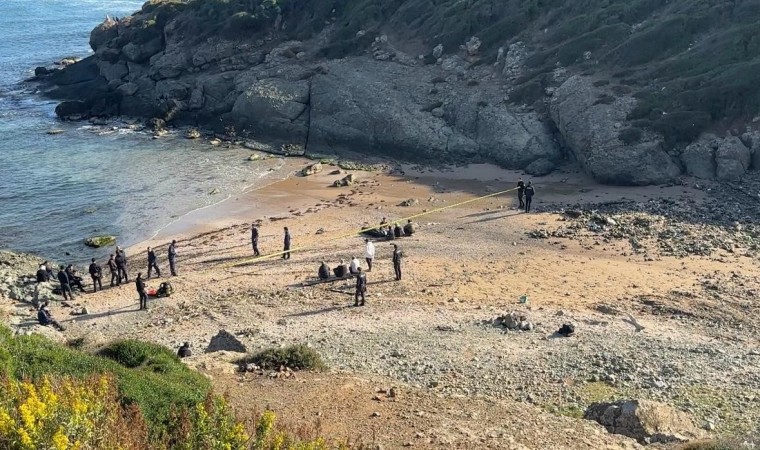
(299, 357)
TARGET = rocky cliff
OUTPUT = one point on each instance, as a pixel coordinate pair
(615, 85)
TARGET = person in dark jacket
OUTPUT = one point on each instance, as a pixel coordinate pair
(63, 279)
(389, 235)
(96, 273)
(341, 270)
(529, 192)
(286, 245)
(173, 258)
(49, 269)
(521, 192)
(398, 231)
(410, 227)
(153, 262)
(42, 274)
(255, 240)
(121, 265)
(184, 351)
(324, 271)
(361, 287)
(74, 279)
(114, 269)
(397, 255)
(46, 319)
(140, 285)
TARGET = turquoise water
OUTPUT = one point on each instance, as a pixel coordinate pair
(55, 190)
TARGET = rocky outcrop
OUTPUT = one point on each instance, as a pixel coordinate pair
(591, 127)
(100, 241)
(644, 420)
(711, 157)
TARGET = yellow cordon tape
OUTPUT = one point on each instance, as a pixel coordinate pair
(364, 230)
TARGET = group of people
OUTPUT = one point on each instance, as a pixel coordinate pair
(525, 194)
(69, 280)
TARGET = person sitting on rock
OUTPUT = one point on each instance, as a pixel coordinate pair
(342, 270)
(324, 271)
(74, 279)
(353, 268)
(42, 274)
(398, 231)
(410, 227)
(184, 351)
(46, 319)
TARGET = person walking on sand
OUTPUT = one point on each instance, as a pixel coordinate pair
(121, 265)
(153, 263)
(255, 240)
(114, 270)
(361, 287)
(397, 255)
(173, 258)
(96, 273)
(369, 253)
(521, 192)
(286, 245)
(140, 285)
(529, 192)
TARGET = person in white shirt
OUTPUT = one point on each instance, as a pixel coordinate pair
(353, 268)
(369, 254)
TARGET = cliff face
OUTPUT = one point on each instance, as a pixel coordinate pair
(622, 87)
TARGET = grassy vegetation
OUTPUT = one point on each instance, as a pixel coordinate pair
(297, 357)
(54, 396)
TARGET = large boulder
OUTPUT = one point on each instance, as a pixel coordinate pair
(590, 129)
(73, 109)
(540, 167)
(732, 159)
(699, 157)
(644, 420)
(104, 33)
(225, 341)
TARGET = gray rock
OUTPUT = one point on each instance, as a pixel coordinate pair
(644, 420)
(311, 169)
(74, 109)
(225, 341)
(473, 46)
(699, 157)
(540, 167)
(274, 107)
(438, 112)
(732, 159)
(438, 51)
(587, 127)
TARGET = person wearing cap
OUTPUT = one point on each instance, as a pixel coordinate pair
(369, 253)
(140, 285)
(361, 287)
(173, 258)
(96, 273)
(397, 255)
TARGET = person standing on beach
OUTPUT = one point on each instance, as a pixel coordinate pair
(520, 192)
(255, 240)
(286, 245)
(121, 265)
(529, 192)
(153, 263)
(140, 285)
(397, 255)
(114, 270)
(173, 258)
(63, 279)
(369, 254)
(361, 287)
(96, 273)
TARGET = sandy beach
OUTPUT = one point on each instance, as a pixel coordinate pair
(464, 382)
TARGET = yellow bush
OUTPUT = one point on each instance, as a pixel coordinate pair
(63, 415)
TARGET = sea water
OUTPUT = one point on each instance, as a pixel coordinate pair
(56, 190)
